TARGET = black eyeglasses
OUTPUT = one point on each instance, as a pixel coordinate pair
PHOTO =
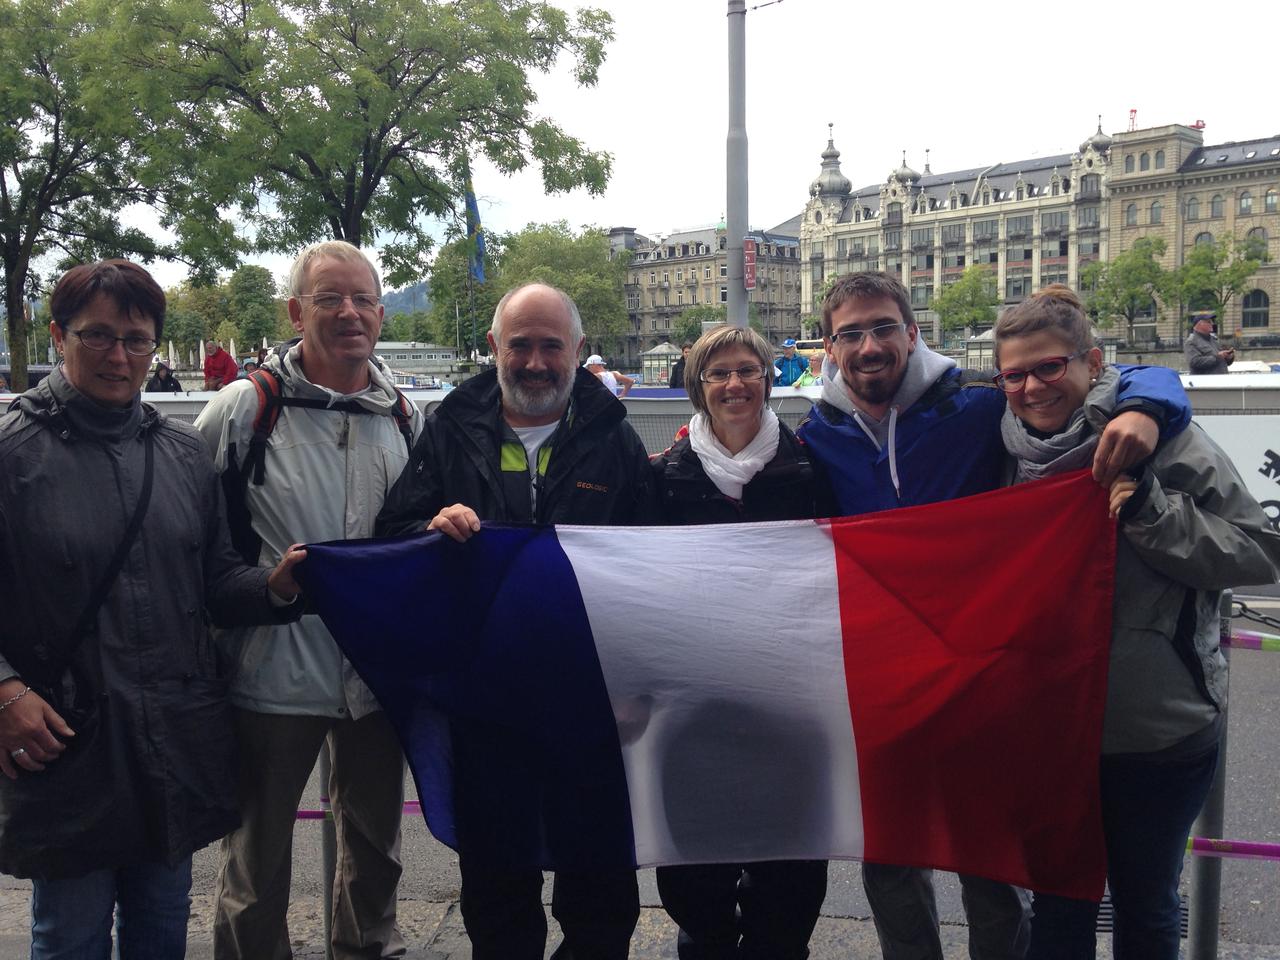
(332, 301)
(746, 373)
(103, 341)
(1048, 370)
(883, 332)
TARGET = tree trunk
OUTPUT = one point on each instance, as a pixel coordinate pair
(17, 328)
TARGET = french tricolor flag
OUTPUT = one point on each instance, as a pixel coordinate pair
(923, 686)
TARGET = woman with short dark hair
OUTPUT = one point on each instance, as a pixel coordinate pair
(115, 732)
(739, 463)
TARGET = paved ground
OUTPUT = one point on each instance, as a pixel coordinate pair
(428, 908)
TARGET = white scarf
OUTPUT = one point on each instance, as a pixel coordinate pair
(731, 472)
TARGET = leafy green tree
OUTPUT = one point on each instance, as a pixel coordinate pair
(68, 163)
(352, 119)
(1127, 285)
(253, 304)
(1213, 274)
(689, 324)
(578, 264)
(969, 302)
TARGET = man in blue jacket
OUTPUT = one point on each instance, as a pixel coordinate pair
(900, 425)
(790, 365)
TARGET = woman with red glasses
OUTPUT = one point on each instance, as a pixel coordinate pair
(1187, 529)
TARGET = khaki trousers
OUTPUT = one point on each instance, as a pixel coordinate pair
(366, 789)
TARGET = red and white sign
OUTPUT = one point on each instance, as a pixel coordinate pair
(748, 264)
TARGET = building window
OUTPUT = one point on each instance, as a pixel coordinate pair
(953, 260)
(1216, 206)
(1269, 202)
(724, 291)
(1131, 215)
(724, 268)
(1256, 241)
(1087, 217)
(1018, 226)
(1193, 208)
(653, 277)
(1017, 252)
(1246, 204)
(922, 261)
(985, 230)
(815, 265)
(953, 234)
(1159, 159)
(1257, 309)
(1145, 162)
(1128, 163)
(921, 294)
(842, 248)
(1157, 211)
(1088, 248)
(633, 300)
(706, 272)
(1053, 247)
(986, 197)
(1204, 238)
(666, 276)
(1053, 276)
(1017, 287)
(922, 238)
(1053, 221)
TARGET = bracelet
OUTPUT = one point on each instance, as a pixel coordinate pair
(15, 698)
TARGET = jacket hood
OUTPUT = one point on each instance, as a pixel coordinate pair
(924, 367)
(286, 362)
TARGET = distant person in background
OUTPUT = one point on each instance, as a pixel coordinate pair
(220, 368)
(163, 380)
(790, 365)
(250, 365)
(1203, 352)
(4, 387)
(812, 377)
(677, 368)
(619, 384)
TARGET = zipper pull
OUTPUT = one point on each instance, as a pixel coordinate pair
(346, 429)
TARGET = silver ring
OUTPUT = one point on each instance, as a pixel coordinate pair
(17, 753)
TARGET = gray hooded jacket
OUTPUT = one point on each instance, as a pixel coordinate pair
(1189, 531)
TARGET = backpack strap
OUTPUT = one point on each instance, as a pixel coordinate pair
(269, 386)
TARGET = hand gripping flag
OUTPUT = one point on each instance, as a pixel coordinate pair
(923, 686)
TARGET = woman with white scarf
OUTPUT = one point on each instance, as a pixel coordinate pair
(1187, 529)
(740, 463)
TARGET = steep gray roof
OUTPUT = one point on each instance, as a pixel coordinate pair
(1217, 156)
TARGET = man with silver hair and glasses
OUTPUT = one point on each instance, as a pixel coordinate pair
(342, 436)
(537, 439)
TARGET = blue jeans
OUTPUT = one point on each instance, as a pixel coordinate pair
(1148, 806)
(71, 919)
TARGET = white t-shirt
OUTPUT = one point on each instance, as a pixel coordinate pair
(610, 381)
(533, 438)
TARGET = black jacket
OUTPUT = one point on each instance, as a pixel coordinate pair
(598, 472)
(150, 775)
(159, 384)
(790, 487)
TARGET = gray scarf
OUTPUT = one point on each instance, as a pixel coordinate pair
(1071, 448)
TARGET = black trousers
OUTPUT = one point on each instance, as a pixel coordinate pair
(502, 912)
(753, 911)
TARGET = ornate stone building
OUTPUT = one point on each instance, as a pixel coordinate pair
(1040, 220)
(668, 275)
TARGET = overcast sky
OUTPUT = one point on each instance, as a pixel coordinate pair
(977, 85)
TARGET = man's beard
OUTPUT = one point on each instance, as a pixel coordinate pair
(549, 396)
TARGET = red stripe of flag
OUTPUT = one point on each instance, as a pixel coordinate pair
(976, 636)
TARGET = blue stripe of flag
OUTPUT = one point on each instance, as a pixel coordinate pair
(482, 655)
